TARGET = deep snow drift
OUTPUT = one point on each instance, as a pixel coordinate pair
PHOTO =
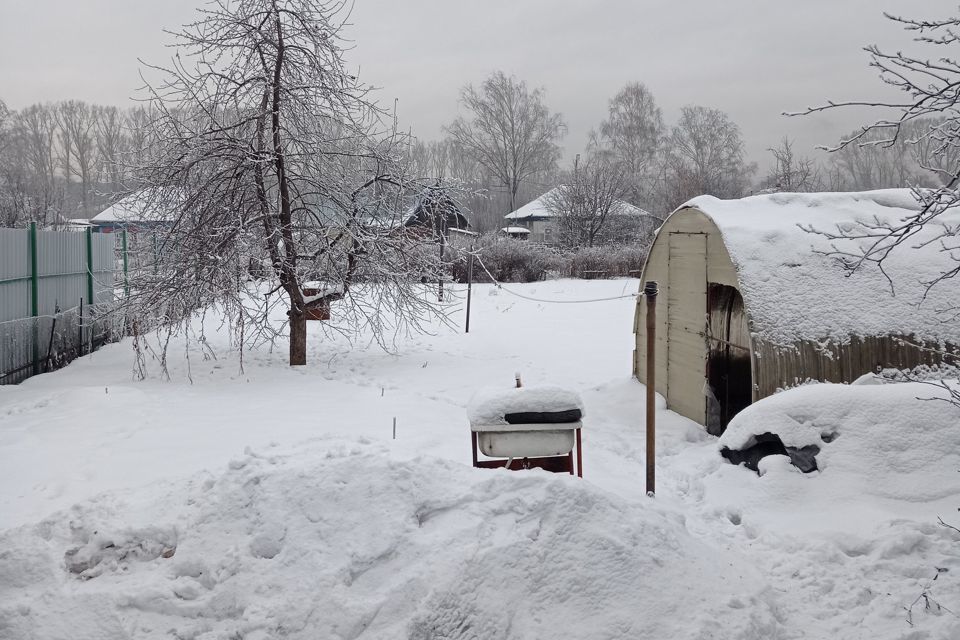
(349, 544)
(274, 503)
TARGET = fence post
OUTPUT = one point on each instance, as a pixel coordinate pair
(35, 296)
(126, 284)
(90, 301)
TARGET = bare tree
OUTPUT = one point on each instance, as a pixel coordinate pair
(875, 162)
(791, 172)
(927, 118)
(930, 112)
(268, 149)
(591, 195)
(31, 192)
(6, 118)
(38, 130)
(510, 131)
(77, 121)
(137, 121)
(9, 209)
(704, 155)
(111, 145)
(47, 146)
(633, 132)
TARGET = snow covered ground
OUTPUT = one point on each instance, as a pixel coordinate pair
(274, 503)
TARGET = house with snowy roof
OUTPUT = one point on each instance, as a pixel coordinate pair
(436, 210)
(539, 218)
(753, 300)
(136, 212)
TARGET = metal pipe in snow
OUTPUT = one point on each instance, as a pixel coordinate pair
(650, 290)
(469, 288)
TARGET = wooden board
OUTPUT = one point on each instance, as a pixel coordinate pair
(686, 321)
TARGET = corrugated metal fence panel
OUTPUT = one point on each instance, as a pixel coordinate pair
(105, 267)
(14, 274)
(62, 265)
(58, 334)
(16, 338)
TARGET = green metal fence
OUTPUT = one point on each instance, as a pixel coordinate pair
(56, 288)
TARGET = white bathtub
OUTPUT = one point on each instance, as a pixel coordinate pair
(526, 440)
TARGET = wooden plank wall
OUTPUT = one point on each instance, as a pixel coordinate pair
(778, 367)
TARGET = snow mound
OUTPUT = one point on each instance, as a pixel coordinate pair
(355, 545)
(490, 404)
(897, 441)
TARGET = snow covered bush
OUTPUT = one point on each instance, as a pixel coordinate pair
(510, 260)
(608, 262)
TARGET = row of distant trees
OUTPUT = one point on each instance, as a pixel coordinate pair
(873, 161)
(65, 160)
(69, 159)
(506, 149)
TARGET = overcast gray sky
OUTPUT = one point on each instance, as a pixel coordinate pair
(750, 58)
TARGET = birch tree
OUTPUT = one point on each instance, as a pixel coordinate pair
(705, 155)
(633, 131)
(509, 131)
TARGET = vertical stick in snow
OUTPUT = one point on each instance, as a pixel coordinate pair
(469, 288)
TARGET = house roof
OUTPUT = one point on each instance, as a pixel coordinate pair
(432, 202)
(539, 209)
(137, 207)
(794, 291)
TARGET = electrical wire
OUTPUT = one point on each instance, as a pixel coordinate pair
(531, 298)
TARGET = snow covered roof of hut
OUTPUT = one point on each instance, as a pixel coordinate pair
(540, 208)
(794, 291)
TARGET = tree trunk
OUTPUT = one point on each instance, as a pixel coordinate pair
(298, 338)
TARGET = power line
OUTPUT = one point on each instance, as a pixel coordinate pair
(525, 297)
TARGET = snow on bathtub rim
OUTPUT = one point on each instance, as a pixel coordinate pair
(489, 405)
(900, 441)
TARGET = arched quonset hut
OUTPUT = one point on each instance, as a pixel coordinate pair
(750, 303)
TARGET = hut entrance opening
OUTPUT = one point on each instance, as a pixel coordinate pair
(729, 379)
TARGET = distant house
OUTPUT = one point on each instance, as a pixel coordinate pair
(133, 213)
(540, 220)
(75, 224)
(517, 233)
(435, 210)
(751, 302)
